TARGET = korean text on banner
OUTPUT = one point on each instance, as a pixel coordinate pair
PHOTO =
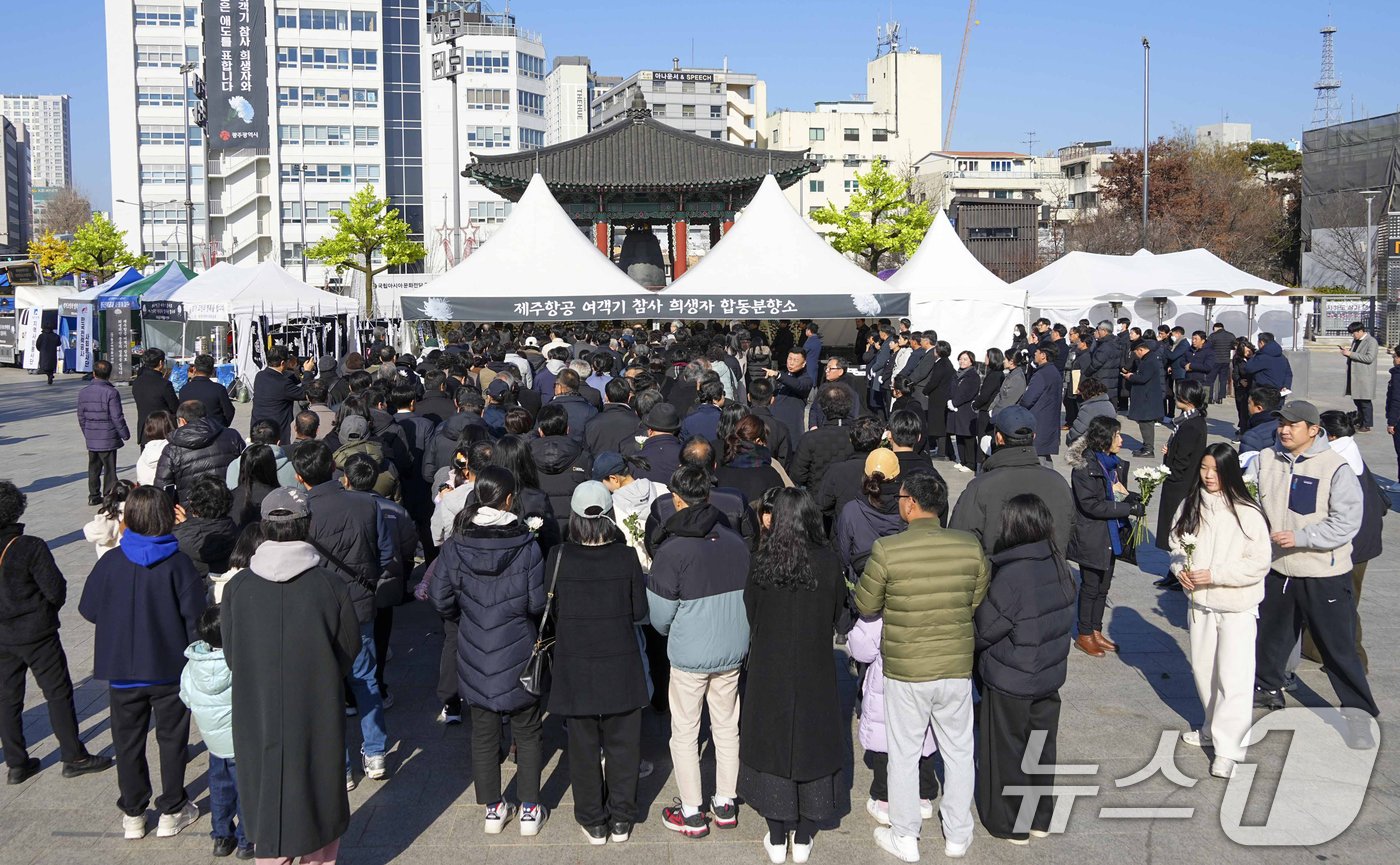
(235, 73)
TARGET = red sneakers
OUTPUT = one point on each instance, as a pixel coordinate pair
(696, 826)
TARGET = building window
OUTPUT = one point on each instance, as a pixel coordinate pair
(286, 19)
(530, 103)
(162, 173)
(366, 97)
(851, 133)
(161, 97)
(487, 98)
(366, 173)
(850, 186)
(324, 19)
(816, 186)
(816, 133)
(716, 134)
(286, 58)
(487, 211)
(1001, 164)
(687, 86)
(716, 111)
(326, 136)
(288, 96)
(992, 233)
(366, 136)
(852, 160)
(688, 111)
(152, 134)
(813, 208)
(316, 211)
(879, 135)
(364, 59)
(487, 62)
(531, 138)
(157, 16)
(291, 253)
(484, 137)
(288, 134)
(658, 110)
(190, 13)
(163, 214)
(159, 56)
(318, 172)
(191, 53)
(366, 22)
(327, 58)
(968, 165)
(530, 65)
(1000, 193)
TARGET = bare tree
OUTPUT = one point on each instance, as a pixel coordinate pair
(1054, 194)
(65, 212)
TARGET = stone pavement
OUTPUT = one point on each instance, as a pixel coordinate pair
(1114, 711)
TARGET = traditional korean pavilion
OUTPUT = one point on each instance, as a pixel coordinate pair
(640, 170)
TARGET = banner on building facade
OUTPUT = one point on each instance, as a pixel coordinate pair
(235, 73)
(565, 308)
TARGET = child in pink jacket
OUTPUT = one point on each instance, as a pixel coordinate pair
(864, 646)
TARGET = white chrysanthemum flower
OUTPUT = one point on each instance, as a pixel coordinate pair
(534, 524)
(866, 304)
(436, 309)
(243, 108)
(1186, 539)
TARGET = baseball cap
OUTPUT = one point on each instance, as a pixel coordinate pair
(590, 500)
(285, 504)
(531, 342)
(1299, 411)
(607, 464)
(497, 389)
(553, 344)
(884, 461)
(1013, 419)
(354, 427)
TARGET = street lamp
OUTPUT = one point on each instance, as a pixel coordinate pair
(1370, 196)
(449, 64)
(1146, 172)
(301, 203)
(186, 69)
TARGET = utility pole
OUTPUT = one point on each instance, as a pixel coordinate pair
(301, 198)
(1370, 196)
(185, 71)
(1146, 141)
(447, 27)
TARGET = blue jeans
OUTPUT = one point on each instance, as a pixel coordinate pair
(367, 699)
(223, 801)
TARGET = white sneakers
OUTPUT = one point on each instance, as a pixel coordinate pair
(532, 819)
(899, 846)
(1222, 767)
(497, 816)
(777, 853)
(800, 852)
(171, 824)
(1196, 738)
(881, 810)
(956, 851)
(134, 828)
(926, 809)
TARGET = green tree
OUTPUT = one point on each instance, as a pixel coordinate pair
(52, 254)
(99, 249)
(1270, 158)
(370, 238)
(880, 219)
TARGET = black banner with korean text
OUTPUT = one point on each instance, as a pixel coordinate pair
(235, 73)
(590, 308)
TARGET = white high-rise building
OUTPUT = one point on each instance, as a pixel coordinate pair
(568, 92)
(500, 109)
(714, 103)
(342, 85)
(46, 118)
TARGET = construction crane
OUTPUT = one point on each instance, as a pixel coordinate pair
(962, 63)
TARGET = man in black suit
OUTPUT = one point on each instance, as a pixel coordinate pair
(152, 391)
(203, 388)
(276, 391)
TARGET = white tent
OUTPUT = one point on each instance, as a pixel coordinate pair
(537, 267)
(264, 290)
(951, 292)
(1068, 290)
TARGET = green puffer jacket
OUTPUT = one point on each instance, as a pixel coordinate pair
(926, 581)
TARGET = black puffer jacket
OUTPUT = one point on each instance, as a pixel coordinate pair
(491, 578)
(32, 589)
(1094, 509)
(345, 529)
(463, 427)
(1022, 623)
(205, 447)
(750, 471)
(208, 542)
(819, 448)
(563, 464)
(860, 524)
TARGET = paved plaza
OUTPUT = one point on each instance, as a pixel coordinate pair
(1114, 713)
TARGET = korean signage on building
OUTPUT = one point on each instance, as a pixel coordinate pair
(235, 73)
(672, 75)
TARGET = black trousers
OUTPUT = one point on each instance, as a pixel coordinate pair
(880, 777)
(605, 793)
(383, 627)
(1071, 409)
(486, 753)
(1365, 415)
(45, 659)
(1004, 726)
(447, 665)
(102, 472)
(1326, 606)
(132, 710)
(1219, 381)
(1093, 595)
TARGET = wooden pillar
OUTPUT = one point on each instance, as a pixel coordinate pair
(600, 237)
(725, 226)
(678, 263)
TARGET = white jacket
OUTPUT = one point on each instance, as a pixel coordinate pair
(147, 461)
(631, 507)
(1237, 554)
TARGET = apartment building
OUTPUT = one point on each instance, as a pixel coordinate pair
(46, 121)
(718, 103)
(16, 200)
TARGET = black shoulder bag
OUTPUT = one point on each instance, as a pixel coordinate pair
(535, 678)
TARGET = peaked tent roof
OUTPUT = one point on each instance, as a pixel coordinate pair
(266, 289)
(538, 265)
(154, 287)
(90, 295)
(634, 154)
(771, 264)
(952, 292)
(1082, 277)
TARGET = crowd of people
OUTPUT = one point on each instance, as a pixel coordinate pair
(617, 521)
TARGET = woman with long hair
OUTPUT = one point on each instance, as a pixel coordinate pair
(490, 576)
(790, 741)
(729, 416)
(1019, 340)
(1022, 658)
(1102, 506)
(1220, 552)
(599, 683)
(530, 503)
(938, 389)
(257, 476)
(1182, 454)
(992, 374)
(159, 424)
(962, 414)
(1243, 382)
(748, 465)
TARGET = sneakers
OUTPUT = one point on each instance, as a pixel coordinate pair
(134, 828)
(777, 853)
(962, 468)
(1270, 700)
(926, 809)
(619, 831)
(800, 852)
(1222, 767)
(1196, 738)
(903, 848)
(497, 816)
(879, 810)
(695, 826)
(375, 769)
(957, 851)
(1358, 733)
(20, 774)
(1290, 682)
(726, 816)
(86, 766)
(1040, 833)
(596, 835)
(451, 712)
(532, 817)
(349, 780)
(245, 853)
(171, 824)
(224, 847)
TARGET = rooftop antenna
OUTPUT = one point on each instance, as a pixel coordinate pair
(887, 38)
(1030, 142)
(1327, 110)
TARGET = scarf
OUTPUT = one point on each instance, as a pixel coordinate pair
(1110, 474)
(147, 550)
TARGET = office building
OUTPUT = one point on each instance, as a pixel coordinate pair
(1225, 134)
(342, 86)
(716, 103)
(46, 121)
(15, 198)
(1350, 180)
(568, 95)
(898, 120)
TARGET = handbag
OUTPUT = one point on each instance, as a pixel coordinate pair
(535, 678)
(1126, 539)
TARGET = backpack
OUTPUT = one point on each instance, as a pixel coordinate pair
(387, 485)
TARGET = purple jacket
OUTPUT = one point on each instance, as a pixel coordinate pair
(100, 416)
(864, 645)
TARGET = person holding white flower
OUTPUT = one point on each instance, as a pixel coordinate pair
(1220, 553)
(1182, 455)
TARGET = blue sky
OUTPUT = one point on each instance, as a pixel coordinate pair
(1067, 71)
